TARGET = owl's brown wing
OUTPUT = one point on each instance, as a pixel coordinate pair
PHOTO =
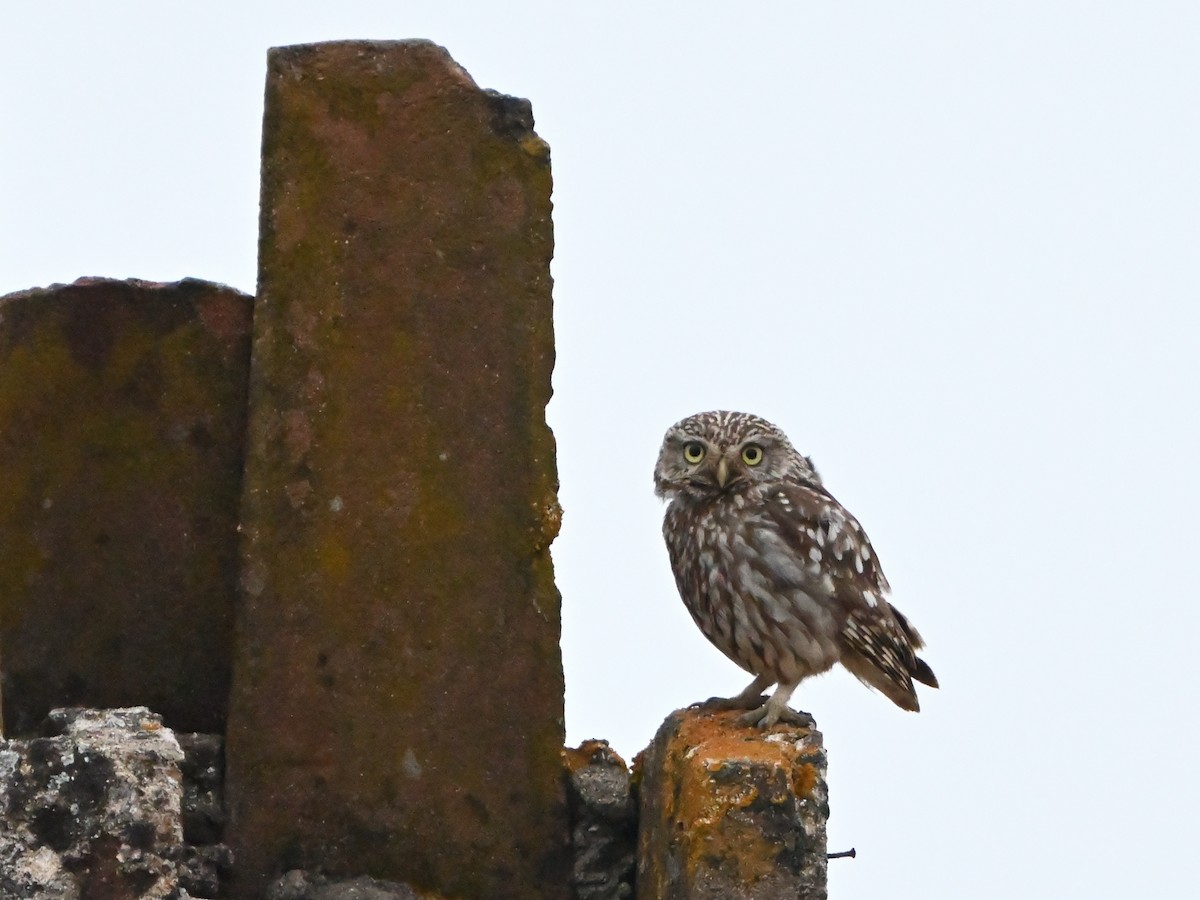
(878, 644)
(828, 542)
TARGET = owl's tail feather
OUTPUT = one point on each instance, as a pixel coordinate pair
(914, 636)
(920, 670)
(886, 678)
(881, 652)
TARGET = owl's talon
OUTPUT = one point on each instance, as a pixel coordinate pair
(766, 716)
(797, 718)
(756, 718)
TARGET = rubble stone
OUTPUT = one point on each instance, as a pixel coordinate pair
(205, 870)
(92, 809)
(603, 823)
(300, 885)
(203, 770)
(207, 864)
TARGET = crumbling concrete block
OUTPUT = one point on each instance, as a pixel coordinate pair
(92, 810)
(398, 698)
(122, 421)
(731, 812)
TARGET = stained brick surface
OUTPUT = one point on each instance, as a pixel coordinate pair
(122, 417)
(398, 699)
(731, 813)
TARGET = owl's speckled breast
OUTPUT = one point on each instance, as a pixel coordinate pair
(727, 566)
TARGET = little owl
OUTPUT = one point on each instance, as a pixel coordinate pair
(777, 574)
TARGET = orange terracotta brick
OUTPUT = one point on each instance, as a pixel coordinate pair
(731, 812)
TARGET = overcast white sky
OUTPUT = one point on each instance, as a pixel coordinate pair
(951, 247)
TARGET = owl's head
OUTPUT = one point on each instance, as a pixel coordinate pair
(714, 452)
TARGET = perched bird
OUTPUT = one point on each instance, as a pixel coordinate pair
(777, 574)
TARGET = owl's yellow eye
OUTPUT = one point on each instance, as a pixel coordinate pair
(752, 454)
(693, 452)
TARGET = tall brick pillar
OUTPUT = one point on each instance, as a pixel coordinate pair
(398, 691)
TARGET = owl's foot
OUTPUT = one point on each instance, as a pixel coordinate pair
(750, 698)
(766, 716)
(721, 704)
(777, 710)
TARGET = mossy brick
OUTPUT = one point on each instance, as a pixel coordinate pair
(122, 421)
(397, 708)
(731, 812)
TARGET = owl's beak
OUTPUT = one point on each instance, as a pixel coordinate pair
(722, 471)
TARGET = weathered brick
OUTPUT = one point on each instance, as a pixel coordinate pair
(398, 696)
(603, 822)
(122, 421)
(729, 812)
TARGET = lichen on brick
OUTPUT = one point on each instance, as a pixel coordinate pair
(728, 811)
